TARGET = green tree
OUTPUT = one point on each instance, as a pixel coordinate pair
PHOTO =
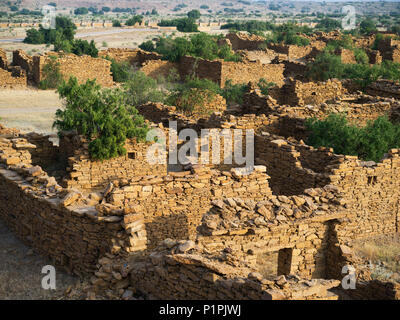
(187, 25)
(135, 19)
(116, 24)
(33, 36)
(328, 24)
(81, 47)
(194, 14)
(80, 11)
(367, 26)
(101, 115)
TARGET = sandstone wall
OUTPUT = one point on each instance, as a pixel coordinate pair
(171, 274)
(20, 58)
(295, 92)
(84, 173)
(292, 51)
(159, 68)
(298, 229)
(173, 205)
(3, 60)
(242, 41)
(204, 69)
(81, 67)
(58, 224)
(346, 55)
(15, 77)
(133, 56)
(240, 72)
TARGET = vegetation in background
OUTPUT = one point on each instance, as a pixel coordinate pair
(328, 25)
(62, 37)
(287, 37)
(116, 24)
(367, 26)
(140, 89)
(328, 66)
(368, 143)
(65, 30)
(201, 45)
(182, 24)
(135, 19)
(52, 77)
(101, 115)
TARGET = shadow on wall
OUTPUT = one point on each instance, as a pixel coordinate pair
(174, 226)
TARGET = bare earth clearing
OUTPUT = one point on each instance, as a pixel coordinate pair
(20, 272)
(29, 109)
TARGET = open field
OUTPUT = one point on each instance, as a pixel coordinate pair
(29, 109)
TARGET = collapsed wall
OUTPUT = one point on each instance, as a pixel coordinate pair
(15, 77)
(135, 57)
(174, 204)
(242, 41)
(10, 75)
(183, 271)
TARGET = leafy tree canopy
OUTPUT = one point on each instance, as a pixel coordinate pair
(101, 115)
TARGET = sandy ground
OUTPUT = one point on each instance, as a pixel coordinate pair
(21, 272)
(29, 109)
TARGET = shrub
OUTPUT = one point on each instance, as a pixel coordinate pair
(367, 26)
(135, 19)
(51, 74)
(368, 143)
(360, 56)
(140, 89)
(80, 47)
(326, 66)
(148, 46)
(121, 71)
(265, 86)
(193, 95)
(116, 24)
(101, 115)
(233, 93)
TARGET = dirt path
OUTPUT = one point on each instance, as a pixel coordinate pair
(20, 272)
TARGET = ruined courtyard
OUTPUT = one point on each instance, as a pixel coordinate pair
(139, 230)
